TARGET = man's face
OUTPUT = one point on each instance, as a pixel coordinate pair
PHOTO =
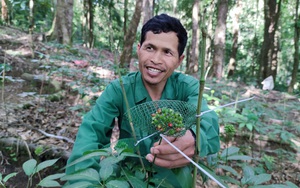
(158, 57)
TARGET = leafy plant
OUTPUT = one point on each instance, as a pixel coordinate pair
(3, 180)
(31, 168)
(115, 170)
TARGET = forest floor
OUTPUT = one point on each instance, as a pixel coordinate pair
(41, 110)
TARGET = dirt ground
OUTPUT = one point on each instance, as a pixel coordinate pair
(30, 120)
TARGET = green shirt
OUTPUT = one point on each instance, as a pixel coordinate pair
(95, 130)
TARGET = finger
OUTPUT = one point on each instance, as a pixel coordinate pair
(168, 163)
(189, 152)
(182, 143)
(163, 142)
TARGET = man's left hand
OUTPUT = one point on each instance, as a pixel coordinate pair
(167, 156)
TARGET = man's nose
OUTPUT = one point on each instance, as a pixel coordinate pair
(156, 58)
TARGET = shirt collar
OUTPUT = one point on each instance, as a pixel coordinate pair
(169, 91)
(141, 94)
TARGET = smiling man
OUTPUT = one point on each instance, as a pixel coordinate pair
(160, 52)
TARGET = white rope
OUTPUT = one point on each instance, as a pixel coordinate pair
(202, 113)
(199, 167)
(145, 138)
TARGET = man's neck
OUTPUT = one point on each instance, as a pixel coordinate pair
(155, 91)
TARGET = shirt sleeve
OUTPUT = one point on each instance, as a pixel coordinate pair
(95, 129)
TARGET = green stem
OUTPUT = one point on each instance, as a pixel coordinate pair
(159, 142)
(130, 119)
(200, 98)
(126, 102)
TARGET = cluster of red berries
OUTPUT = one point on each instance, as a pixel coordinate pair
(167, 121)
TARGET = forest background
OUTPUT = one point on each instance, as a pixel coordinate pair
(68, 51)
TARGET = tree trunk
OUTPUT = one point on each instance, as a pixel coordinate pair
(130, 35)
(125, 18)
(193, 64)
(219, 40)
(210, 32)
(147, 10)
(4, 12)
(63, 25)
(271, 11)
(236, 29)
(296, 53)
(274, 56)
(88, 24)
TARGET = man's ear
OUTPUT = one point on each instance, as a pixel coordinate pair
(138, 47)
(180, 60)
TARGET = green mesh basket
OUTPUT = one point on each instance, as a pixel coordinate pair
(142, 117)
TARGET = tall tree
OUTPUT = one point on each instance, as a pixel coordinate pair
(125, 17)
(268, 52)
(296, 53)
(219, 40)
(236, 29)
(63, 22)
(88, 23)
(31, 17)
(130, 35)
(193, 65)
(4, 11)
(147, 10)
(209, 32)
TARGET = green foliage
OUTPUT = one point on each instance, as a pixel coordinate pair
(3, 180)
(31, 168)
(5, 67)
(114, 170)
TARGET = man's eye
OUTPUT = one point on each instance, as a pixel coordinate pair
(149, 48)
(168, 52)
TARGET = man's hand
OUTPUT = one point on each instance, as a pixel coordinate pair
(167, 156)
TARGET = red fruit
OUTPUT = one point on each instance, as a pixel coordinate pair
(170, 124)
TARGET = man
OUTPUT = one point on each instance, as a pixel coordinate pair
(160, 52)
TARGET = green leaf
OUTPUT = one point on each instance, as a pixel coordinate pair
(229, 169)
(230, 180)
(229, 151)
(127, 154)
(82, 184)
(49, 183)
(54, 176)
(88, 156)
(111, 160)
(259, 179)
(183, 176)
(248, 173)
(89, 174)
(7, 177)
(136, 182)
(242, 125)
(290, 184)
(270, 186)
(249, 126)
(213, 174)
(117, 184)
(239, 157)
(106, 171)
(45, 164)
(29, 166)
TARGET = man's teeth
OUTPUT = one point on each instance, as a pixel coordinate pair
(153, 70)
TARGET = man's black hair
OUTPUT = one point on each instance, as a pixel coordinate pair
(165, 23)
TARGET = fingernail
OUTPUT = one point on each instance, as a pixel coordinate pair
(149, 157)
